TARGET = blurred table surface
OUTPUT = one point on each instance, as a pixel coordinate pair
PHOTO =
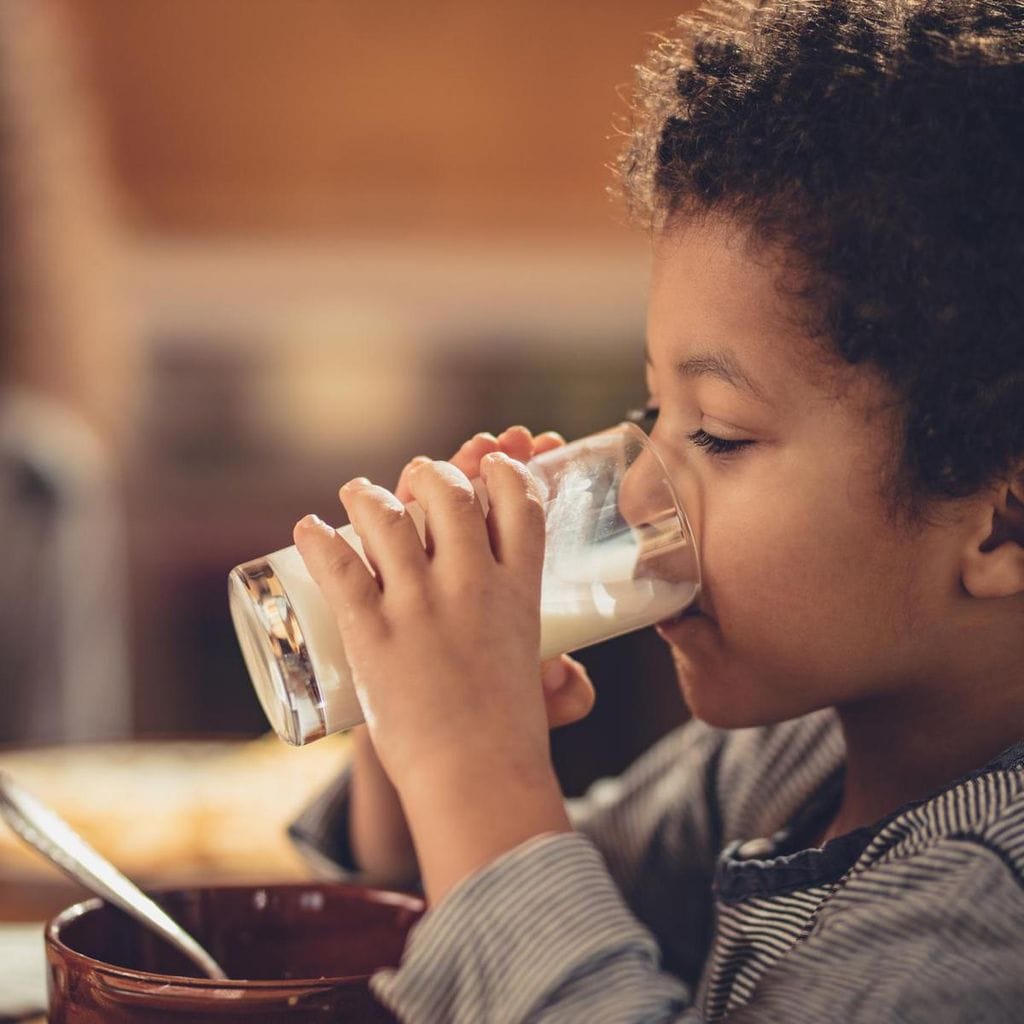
(166, 812)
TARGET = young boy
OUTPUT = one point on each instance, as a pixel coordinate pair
(836, 361)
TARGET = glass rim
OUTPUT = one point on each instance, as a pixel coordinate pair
(648, 445)
(53, 936)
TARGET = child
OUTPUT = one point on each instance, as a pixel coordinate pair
(836, 364)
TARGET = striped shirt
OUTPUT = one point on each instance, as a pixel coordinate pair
(691, 891)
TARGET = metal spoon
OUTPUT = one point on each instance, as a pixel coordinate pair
(56, 841)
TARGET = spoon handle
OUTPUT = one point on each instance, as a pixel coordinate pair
(38, 826)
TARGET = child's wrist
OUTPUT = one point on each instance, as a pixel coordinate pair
(461, 822)
(482, 760)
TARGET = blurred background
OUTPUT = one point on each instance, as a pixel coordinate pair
(252, 248)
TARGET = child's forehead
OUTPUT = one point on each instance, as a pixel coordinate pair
(723, 306)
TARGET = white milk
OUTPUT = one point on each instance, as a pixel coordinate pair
(569, 622)
(574, 614)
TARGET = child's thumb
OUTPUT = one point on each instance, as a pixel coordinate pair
(568, 691)
(554, 674)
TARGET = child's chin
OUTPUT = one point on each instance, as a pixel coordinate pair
(724, 706)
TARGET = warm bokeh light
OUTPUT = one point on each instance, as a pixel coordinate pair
(345, 234)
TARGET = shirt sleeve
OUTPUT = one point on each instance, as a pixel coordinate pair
(656, 827)
(320, 833)
(541, 935)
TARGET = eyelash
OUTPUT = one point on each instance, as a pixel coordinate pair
(719, 446)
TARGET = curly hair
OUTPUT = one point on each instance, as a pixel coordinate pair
(881, 142)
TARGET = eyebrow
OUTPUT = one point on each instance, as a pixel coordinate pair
(721, 365)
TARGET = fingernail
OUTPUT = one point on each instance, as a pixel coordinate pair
(359, 481)
(486, 436)
(491, 458)
(554, 675)
(312, 522)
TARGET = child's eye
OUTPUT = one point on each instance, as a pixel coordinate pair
(646, 418)
(716, 445)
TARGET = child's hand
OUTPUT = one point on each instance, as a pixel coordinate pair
(461, 605)
(568, 691)
(378, 830)
(443, 647)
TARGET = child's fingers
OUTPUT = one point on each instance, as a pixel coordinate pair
(337, 570)
(568, 691)
(468, 457)
(402, 492)
(546, 441)
(517, 442)
(515, 522)
(387, 531)
(453, 516)
(520, 444)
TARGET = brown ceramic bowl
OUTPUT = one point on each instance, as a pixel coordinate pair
(300, 952)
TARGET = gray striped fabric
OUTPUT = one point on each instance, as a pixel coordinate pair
(689, 893)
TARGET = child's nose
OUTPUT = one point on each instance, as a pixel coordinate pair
(645, 495)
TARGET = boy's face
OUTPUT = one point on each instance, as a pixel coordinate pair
(812, 595)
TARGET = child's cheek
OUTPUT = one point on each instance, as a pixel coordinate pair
(757, 546)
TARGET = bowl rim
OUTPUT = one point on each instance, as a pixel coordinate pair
(76, 910)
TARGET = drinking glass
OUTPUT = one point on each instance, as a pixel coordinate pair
(619, 555)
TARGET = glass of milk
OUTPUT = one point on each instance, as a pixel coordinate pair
(619, 555)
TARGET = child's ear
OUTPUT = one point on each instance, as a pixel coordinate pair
(993, 564)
